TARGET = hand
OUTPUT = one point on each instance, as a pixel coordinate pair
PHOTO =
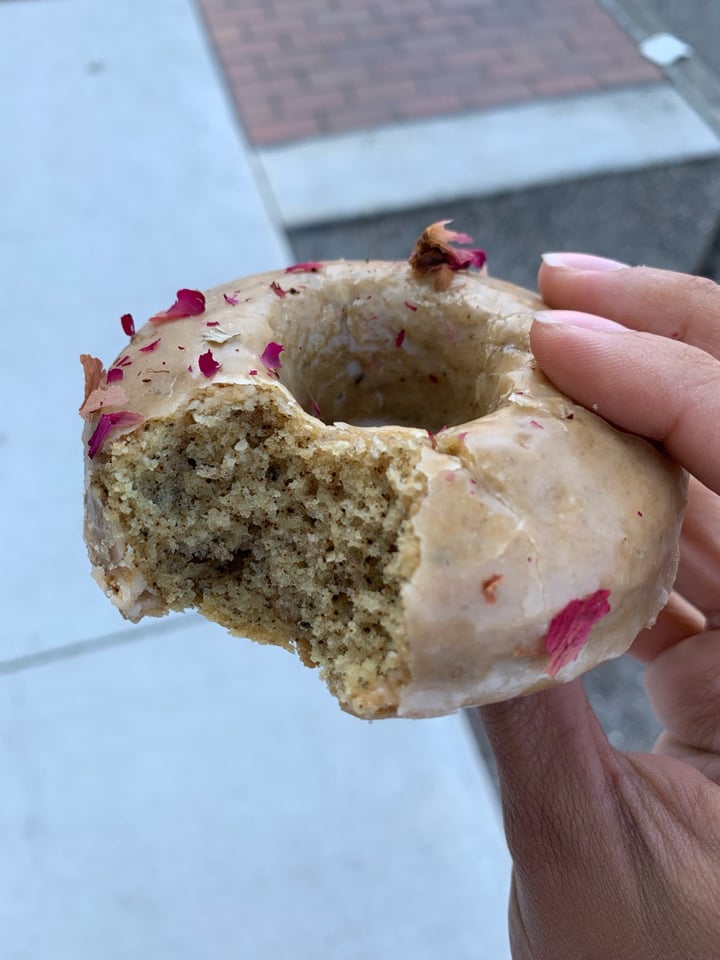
(617, 855)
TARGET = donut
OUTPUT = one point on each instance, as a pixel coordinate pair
(360, 462)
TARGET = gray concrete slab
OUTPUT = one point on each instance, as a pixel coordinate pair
(123, 178)
(197, 796)
(661, 215)
(481, 154)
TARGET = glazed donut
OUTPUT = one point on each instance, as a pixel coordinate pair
(359, 461)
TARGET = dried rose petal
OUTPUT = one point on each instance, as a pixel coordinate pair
(400, 338)
(189, 303)
(128, 324)
(277, 289)
(208, 364)
(93, 370)
(114, 374)
(107, 395)
(309, 267)
(411, 306)
(231, 300)
(489, 587)
(434, 255)
(270, 356)
(213, 323)
(151, 346)
(569, 630)
(537, 425)
(107, 424)
(123, 361)
(252, 373)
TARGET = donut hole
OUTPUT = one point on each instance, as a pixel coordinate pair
(372, 357)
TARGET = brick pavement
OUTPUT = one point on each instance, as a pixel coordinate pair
(306, 68)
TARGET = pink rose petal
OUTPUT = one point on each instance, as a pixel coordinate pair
(400, 338)
(231, 300)
(270, 356)
(151, 346)
(114, 374)
(208, 364)
(128, 324)
(569, 630)
(189, 303)
(309, 267)
(411, 306)
(277, 289)
(93, 371)
(108, 424)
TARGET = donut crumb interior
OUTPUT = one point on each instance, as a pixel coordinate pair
(236, 510)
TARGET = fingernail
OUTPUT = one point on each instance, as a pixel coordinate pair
(582, 261)
(572, 318)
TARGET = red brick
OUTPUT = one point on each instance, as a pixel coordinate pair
(563, 86)
(272, 134)
(321, 66)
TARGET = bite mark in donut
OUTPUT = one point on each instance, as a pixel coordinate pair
(433, 526)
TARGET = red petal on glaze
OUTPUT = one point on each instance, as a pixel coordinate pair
(108, 424)
(213, 323)
(208, 364)
(400, 338)
(231, 300)
(189, 303)
(270, 356)
(310, 267)
(128, 324)
(123, 361)
(114, 374)
(277, 289)
(252, 373)
(538, 426)
(151, 346)
(569, 630)
(411, 306)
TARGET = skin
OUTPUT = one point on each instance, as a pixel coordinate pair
(616, 854)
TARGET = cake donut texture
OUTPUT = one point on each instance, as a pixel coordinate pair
(359, 461)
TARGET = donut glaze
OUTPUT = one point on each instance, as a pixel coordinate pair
(350, 463)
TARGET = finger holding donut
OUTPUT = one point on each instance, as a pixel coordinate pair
(619, 854)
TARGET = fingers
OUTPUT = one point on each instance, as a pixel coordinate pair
(699, 574)
(677, 621)
(683, 685)
(673, 305)
(552, 757)
(661, 389)
(707, 763)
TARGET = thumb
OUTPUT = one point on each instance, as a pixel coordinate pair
(554, 766)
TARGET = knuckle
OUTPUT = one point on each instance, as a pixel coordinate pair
(704, 289)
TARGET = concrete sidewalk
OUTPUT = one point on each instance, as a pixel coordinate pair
(169, 791)
(358, 109)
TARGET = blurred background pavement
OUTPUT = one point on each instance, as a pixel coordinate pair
(169, 791)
